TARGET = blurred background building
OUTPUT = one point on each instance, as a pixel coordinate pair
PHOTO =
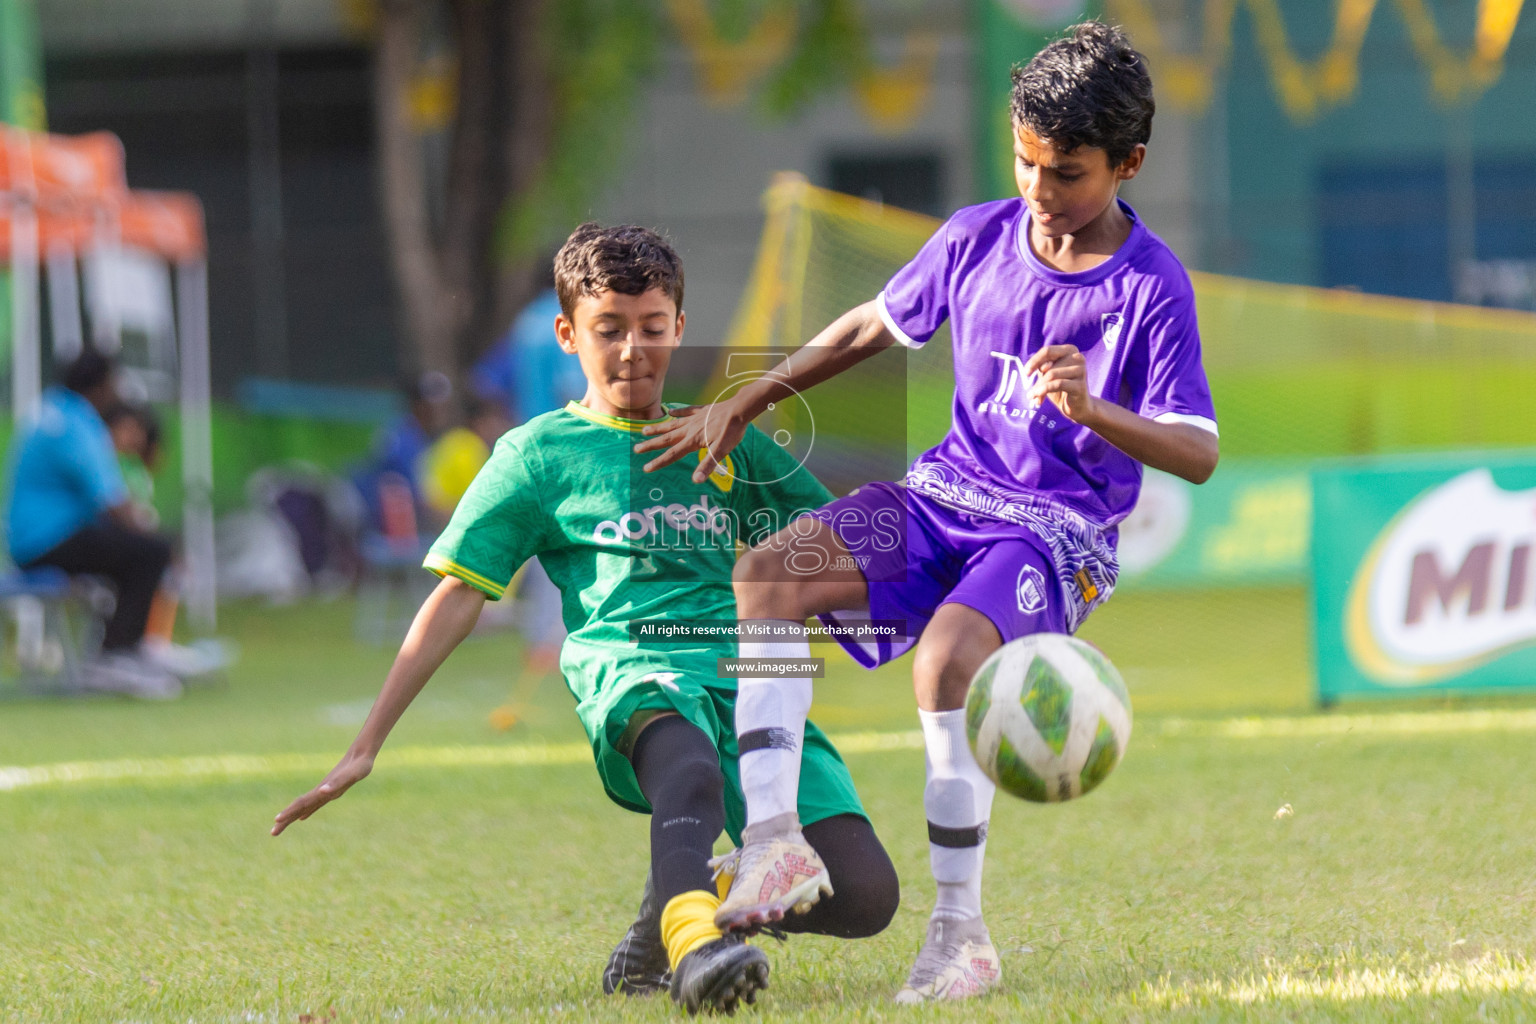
(1373, 145)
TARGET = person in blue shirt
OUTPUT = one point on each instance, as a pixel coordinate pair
(68, 507)
(525, 372)
(399, 448)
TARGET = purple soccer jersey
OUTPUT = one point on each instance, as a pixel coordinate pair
(1132, 317)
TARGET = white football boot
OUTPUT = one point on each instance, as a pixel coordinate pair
(957, 961)
(775, 872)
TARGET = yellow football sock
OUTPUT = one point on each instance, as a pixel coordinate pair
(688, 922)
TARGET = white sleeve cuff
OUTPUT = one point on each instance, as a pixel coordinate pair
(891, 325)
(1204, 423)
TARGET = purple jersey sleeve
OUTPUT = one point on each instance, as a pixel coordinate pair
(915, 302)
(1175, 388)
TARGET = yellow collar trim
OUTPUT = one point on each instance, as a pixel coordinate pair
(633, 426)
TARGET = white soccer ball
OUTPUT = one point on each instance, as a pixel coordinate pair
(1048, 717)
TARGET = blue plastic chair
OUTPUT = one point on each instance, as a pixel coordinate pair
(73, 612)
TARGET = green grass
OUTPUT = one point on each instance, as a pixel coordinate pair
(1398, 889)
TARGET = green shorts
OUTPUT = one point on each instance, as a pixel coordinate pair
(826, 788)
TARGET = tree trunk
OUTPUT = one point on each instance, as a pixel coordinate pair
(456, 296)
(430, 330)
(473, 182)
(527, 139)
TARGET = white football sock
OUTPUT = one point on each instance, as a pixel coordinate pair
(958, 802)
(770, 726)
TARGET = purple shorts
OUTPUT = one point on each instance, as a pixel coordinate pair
(917, 554)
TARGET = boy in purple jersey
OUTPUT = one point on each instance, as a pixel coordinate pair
(1077, 361)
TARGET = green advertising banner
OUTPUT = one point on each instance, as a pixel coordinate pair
(1247, 526)
(1422, 575)
(1008, 32)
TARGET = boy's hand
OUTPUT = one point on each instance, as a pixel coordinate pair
(711, 429)
(1063, 379)
(352, 769)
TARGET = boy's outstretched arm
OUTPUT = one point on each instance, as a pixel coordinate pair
(1182, 449)
(444, 621)
(850, 339)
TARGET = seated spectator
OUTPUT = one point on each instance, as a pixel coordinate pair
(398, 450)
(69, 507)
(135, 431)
(135, 435)
(525, 372)
(448, 466)
(528, 374)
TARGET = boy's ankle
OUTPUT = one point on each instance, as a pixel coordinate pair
(688, 922)
(780, 826)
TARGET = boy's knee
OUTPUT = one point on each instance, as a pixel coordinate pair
(765, 588)
(757, 565)
(700, 779)
(866, 891)
(953, 646)
(676, 763)
(940, 678)
(873, 898)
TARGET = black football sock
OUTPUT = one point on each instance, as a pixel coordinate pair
(679, 773)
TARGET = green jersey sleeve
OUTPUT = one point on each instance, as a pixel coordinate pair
(499, 523)
(772, 487)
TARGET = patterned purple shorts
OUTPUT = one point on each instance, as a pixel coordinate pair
(917, 554)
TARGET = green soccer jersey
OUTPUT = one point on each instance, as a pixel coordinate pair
(622, 545)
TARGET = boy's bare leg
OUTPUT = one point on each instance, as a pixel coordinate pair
(958, 958)
(801, 571)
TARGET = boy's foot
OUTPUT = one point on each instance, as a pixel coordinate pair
(719, 975)
(957, 960)
(775, 871)
(638, 966)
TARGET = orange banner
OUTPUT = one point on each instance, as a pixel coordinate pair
(168, 224)
(61, 167)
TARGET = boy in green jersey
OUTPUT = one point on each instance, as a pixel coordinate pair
(624, 546)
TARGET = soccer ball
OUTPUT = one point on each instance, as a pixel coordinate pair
(1048, 717)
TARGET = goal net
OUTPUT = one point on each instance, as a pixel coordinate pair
(1211, 612)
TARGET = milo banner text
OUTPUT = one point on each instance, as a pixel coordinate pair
(1423, 576)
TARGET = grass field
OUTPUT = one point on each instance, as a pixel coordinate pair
(483, 875)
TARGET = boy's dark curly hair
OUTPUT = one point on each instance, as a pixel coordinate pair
(627, 259)
(1089, 88)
